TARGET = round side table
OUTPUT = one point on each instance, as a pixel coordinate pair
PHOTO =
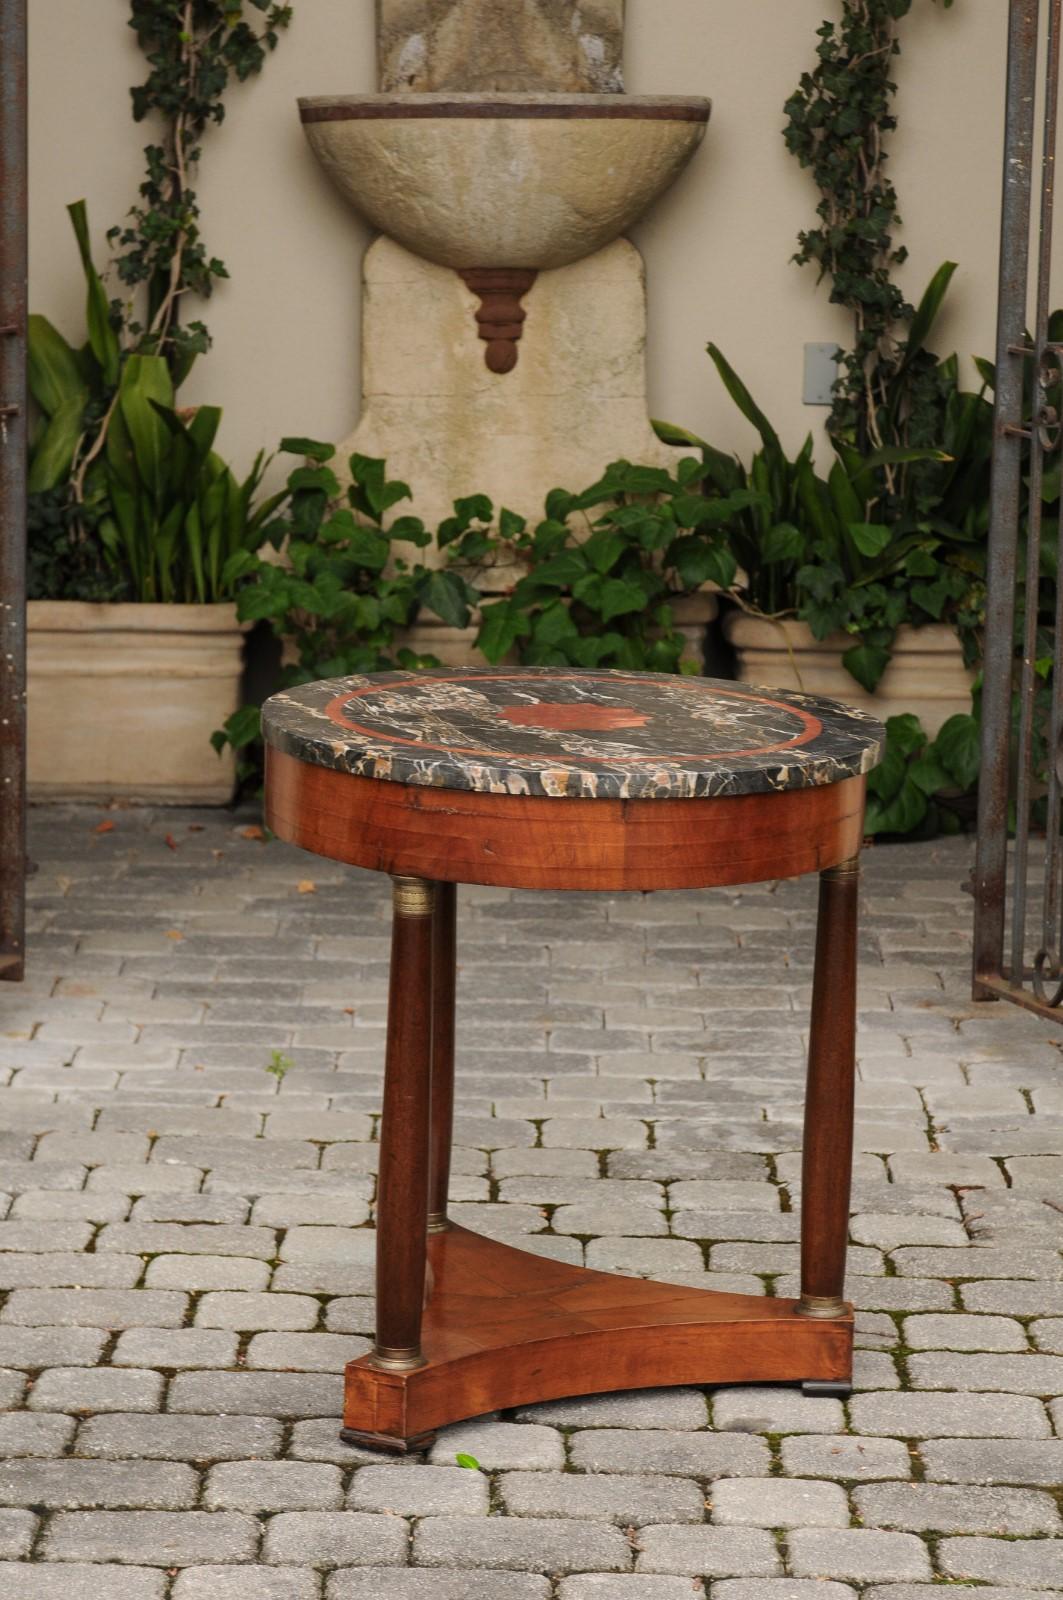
(551, 778)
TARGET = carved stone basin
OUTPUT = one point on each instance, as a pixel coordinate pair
(525, 181)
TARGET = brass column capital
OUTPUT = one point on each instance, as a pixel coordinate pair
(413, 897)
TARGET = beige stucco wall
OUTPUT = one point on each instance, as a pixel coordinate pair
(286, 328)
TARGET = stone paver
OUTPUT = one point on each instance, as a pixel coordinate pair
(186, 1248)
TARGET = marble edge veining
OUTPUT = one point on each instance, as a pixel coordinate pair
(295, 722)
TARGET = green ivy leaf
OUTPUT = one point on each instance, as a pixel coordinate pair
(783, 542)
(903, 814)
(561, 570)
(322, 478)
(870, 538)
(620, 596)
(928, 774)
(603, 549)
(501, 625)
(445, 593)
(697, 562)
(367, 547)
(552, 625)
(510, 525)
(474, 508)
(958, 748)
(411, 530)
(313, 448)
(866, 663)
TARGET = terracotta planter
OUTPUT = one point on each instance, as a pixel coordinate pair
(456, 647)
(926, 675)
(123, 700)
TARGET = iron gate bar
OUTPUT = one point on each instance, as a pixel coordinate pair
(13, 308)
(995, 978)
(1044, 436)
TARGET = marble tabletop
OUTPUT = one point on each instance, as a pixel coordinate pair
(564, 732)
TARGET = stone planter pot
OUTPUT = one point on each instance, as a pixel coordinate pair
(456, 647)
(926, 675)
(123, 699)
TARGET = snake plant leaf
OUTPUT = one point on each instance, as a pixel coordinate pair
(102, 336)
(926, 312)
(54, 451)
(746, 404)
(200, 431)
(55, 377)
(144, 379)
(194, 546)
(670, 433)
(118, 451)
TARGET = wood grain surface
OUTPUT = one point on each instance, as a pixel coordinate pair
(531, 842)
(505, 1328)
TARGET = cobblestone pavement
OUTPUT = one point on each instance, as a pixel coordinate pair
(187, 1245)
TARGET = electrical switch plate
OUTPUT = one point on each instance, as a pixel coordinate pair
(821, 370)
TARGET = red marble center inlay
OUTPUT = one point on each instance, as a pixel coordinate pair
(575, 718)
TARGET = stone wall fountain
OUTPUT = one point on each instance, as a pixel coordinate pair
(504, 316)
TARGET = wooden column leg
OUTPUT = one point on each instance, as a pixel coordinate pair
(402, 1191)
(827, 1161)
(444, 975)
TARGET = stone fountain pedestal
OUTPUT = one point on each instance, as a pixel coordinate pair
(574, 401)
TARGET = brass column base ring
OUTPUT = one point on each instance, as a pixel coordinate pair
(387, 1360)
(821, 1305)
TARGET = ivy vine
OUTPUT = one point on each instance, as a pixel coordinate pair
(838, 122)
(192, 47)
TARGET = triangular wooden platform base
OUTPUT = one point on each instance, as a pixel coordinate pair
(505, 1328)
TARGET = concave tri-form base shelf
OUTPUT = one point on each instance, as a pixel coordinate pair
(504, 1328)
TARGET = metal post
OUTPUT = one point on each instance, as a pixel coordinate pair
(12, 488)
(990, 876)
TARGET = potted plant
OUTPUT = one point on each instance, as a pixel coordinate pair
(131, 577)
(620, 575)
(338, 594)
(868, 585)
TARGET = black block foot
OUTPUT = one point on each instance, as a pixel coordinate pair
(388, 1446)
(826, 1389)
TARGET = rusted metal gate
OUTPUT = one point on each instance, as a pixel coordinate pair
(12, 487)
(1018, 942)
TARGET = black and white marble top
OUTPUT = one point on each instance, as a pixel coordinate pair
(565, 732)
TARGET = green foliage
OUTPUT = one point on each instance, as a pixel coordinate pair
(61, 565)
(838, 123)
(82, 540)
(470, 1463)
(193, 48)
(923, 787)
(843, 553)
(279, 1065)
(149, 511)
(602, 567)
(339, 590)
(161, 515)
